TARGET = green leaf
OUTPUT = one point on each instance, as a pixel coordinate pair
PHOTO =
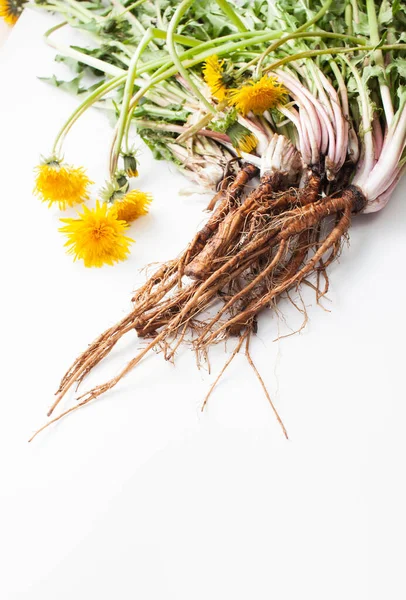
(399, 66)
(371, 71)
(72, 86)
(385, 14)
(106, 52)
(72, 63)
(224, 120)
(362, 27)
(158, 144)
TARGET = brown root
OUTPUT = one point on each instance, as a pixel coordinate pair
(261, 381)
(229, 361)
(230, 199)
(250, 253)
(257, 305)
(230, 226)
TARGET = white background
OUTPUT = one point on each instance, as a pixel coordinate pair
(5, 31)
(140, 495)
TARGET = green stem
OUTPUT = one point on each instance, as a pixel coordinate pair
(316, 17)
(159, 111)
(355, 11)
(136, 25)
(159, 19)
(89, 101)
(90, 61)
(249, 38)
(348, 19)
(128, 90)
(203, 122)
(379, 61)
(120, 76)
(208, 48)
(63, 10)
(132, 6)
(181, 39)
(52, 29)
(127, 128)
(85, 13)
(180, 11)
(232, 15)
(311, 53)
(162, 62)
(366, 113)
(342, 88)
(228, 48)
(299, 35)
(95, 62)
(305, 26)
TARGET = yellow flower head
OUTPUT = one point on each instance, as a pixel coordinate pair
(132, 205)
(10, 10)
(97, 236)
(130, 165)
(214, 77)
(242, 138)
(61, 184)
(258, 96)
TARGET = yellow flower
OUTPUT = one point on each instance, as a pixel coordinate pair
(97, 236)
(242, 138)
(10, 10)
(213, 76)
(130, 165)
(133, 205)
(248, 143)
(258, 96)
(58, 183)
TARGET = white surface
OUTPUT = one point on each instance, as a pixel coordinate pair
(5, 31)
(141, 496)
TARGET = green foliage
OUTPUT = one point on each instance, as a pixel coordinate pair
(158, 144)
(224, 120)
(73, 86)
(114, 35)
(108, 53)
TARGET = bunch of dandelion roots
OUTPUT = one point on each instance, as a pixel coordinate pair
(256, 246)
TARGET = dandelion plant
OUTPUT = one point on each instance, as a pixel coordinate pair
(306, 103)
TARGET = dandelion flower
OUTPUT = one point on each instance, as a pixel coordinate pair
(214, 77)
(132, 205)
(242, 138)
(97, 236)
(258, 96)
(130, 165)
(10, 10)
(61, 184)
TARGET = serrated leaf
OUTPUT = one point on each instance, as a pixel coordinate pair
(72, 86)
(398, 65)
(92, 26)
(362, 27)
(72, 63)
(385, 14)
(371, 71)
